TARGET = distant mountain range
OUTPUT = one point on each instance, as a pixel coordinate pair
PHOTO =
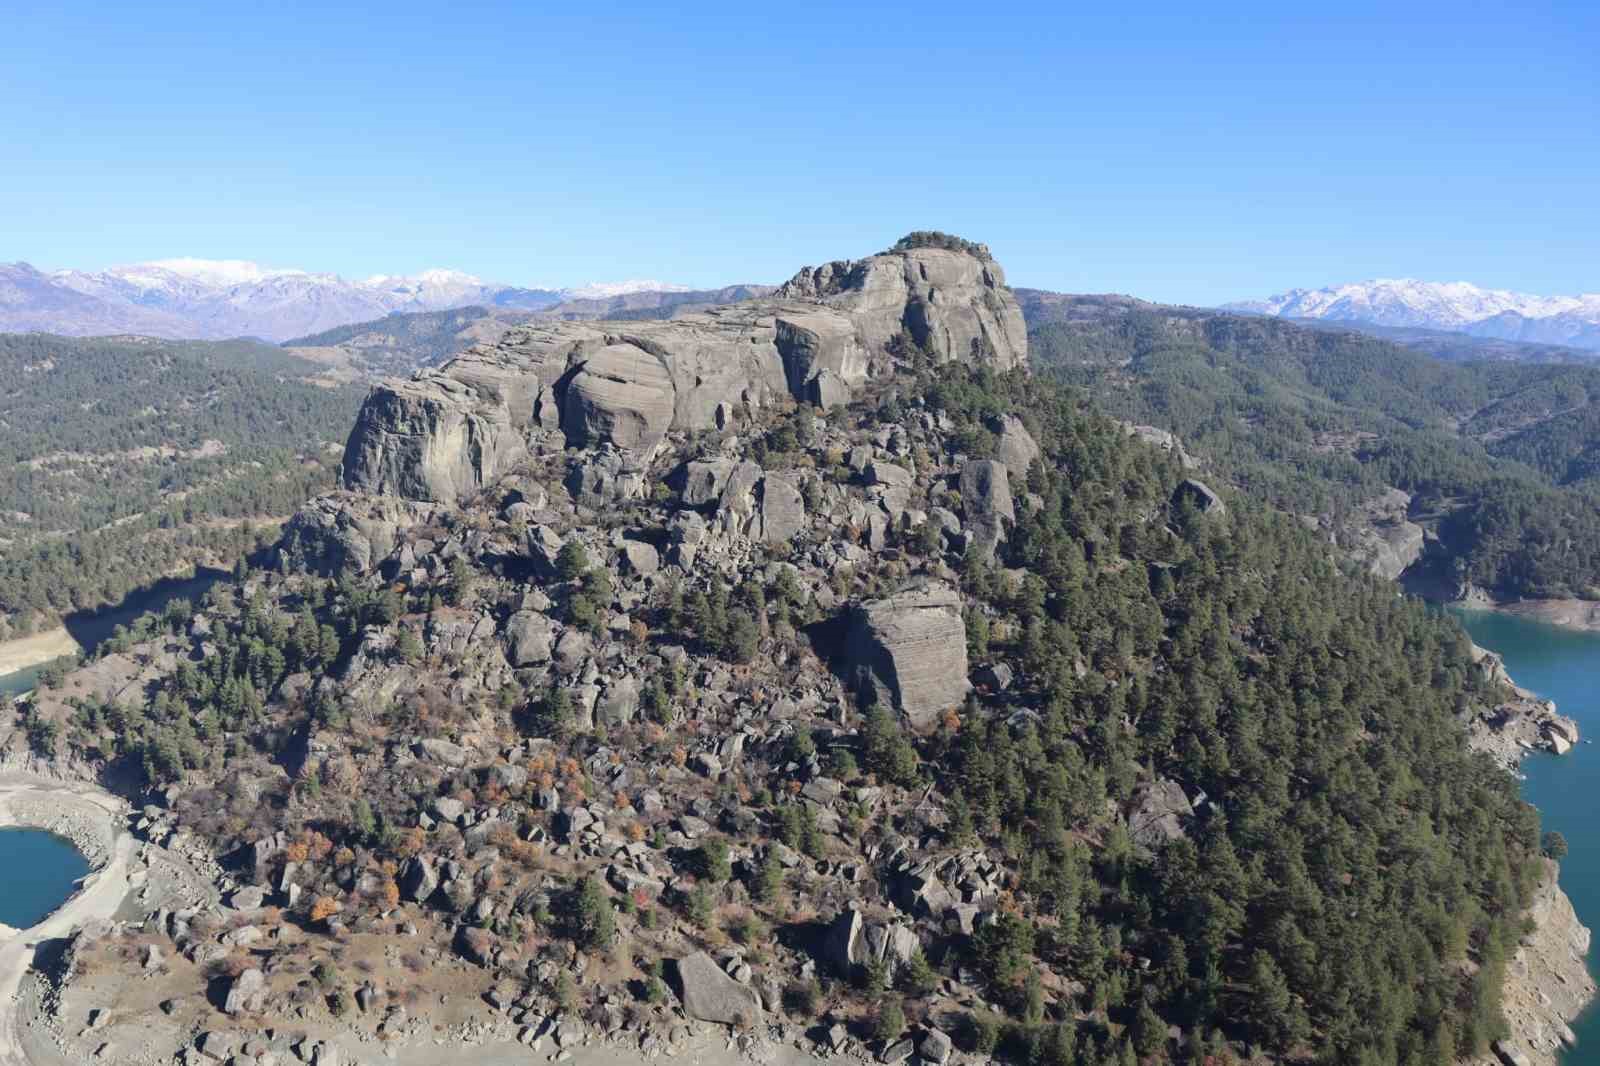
(215, 299)
(1457, 306)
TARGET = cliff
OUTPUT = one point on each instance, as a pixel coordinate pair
(445, 434)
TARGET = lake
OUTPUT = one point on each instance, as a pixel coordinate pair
(1562, 665)
(41, 871)
(90, 628)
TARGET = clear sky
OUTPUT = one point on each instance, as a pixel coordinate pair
(1188, 152)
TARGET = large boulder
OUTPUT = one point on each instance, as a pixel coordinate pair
(986, 503)
(711, 995)
(247, 994)
(1016, 448)
(530, 637)
(619, 704)
(1160, 812)
(842, 944)
(418, 879)
(434, 437)
(621, 395)
(783, 510)
(704, 480)
(1198, 494)
(911, 647)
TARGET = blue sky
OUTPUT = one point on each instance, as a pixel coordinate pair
(1183, 153)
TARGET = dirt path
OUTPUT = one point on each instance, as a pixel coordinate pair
(102, 891)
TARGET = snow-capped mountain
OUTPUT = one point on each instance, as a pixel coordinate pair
(212, 298)
(1457, 305)
(602, 290)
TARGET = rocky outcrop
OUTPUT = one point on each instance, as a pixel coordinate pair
(1016, 448)
(436, 437)
(986, 503)
(711, 995)
(346, 531)
(912, 648)
(622, 395)
(1160, 812)
(447, 433)
(1547, 982)
(1199, 495)
(1386, 540)
(954, 305)
(1166, 440)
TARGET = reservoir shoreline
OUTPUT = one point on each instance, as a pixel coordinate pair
(1550, 981)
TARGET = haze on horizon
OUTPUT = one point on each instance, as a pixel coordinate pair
(1128, 152)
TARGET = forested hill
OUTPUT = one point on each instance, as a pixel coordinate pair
(1061, 747)
(1502, 459)
(125, 459)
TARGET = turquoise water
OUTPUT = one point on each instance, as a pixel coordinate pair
(1564, 666)
(41, 871)
(21, 681)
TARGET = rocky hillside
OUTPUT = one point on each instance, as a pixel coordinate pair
(802, 666)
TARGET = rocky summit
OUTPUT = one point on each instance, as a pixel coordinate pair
(448, 433)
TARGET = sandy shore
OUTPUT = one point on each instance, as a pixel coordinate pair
(39, 648)
(92, 819)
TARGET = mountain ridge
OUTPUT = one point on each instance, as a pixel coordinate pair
(205, 299)
(1459, 306)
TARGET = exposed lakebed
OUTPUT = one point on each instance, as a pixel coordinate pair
(40, 871)
(1562, 665)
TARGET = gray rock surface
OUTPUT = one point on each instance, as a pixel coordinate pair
(1017, 448)
(986, 503)
(711, 995)
(1197, 492)
(912, 647)
(247, 993)
(446, 433)
(1160, 813)
(622, 395)
(435, 437)
(529, 638)
(783, 511)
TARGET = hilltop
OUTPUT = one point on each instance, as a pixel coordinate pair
(810, 667)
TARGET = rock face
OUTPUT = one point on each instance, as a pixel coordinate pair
(342, 531)
(712, 996)
(953, 304)
(1017, 448)
(986, 501)
(446, 433)
(1200, 495)
(1547, 985)
(912, 647)
(1387, 540)
(623, 395)
(435, 437)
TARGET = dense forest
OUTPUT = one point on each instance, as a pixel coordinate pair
(124, 459)
(1501, 456)
(1349, 890)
